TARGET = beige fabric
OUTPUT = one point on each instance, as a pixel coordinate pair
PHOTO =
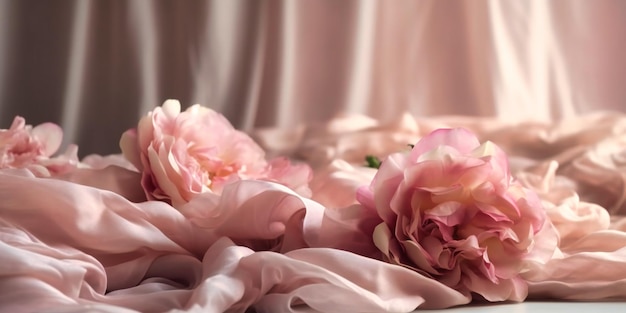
(95, 66)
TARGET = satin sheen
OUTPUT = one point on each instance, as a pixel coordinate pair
(81, 244)
(96, 67)
(529, 76)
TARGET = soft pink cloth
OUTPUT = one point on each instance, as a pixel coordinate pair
(269, 63)
(88, 241)
(73, 246)
(576, 165)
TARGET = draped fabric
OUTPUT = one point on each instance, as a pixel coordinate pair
(87, 241)
(529, 76)
(95, 67)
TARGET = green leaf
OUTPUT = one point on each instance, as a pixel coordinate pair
(372, 161)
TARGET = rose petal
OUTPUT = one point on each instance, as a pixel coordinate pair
(459, 138)
(50, 136)
(161, 176)
(171, 108)
(129, 145)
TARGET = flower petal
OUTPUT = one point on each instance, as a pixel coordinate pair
(50, 136)
(461, 139)
(130, 148)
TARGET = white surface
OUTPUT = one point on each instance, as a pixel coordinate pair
(540, 307)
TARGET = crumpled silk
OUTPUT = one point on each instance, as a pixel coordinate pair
(576, 165)
(88, 241)
(76, 246)
(589, 148)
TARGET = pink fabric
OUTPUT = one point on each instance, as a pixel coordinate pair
(87, 240)
(576, 166)
(149, 257)
(283, 63)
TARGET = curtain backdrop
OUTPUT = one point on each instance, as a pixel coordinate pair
(95, 67)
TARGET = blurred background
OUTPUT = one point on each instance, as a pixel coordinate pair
(96, 66)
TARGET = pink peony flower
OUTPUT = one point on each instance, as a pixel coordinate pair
(183, 154)
(451, 211)
(24, 146)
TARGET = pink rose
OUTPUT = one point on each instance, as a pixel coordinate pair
(183, 154)
(451, 211)
(24, 146)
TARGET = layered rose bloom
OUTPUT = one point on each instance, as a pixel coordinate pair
(451, 211)
(183, 154)
(25, 146)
